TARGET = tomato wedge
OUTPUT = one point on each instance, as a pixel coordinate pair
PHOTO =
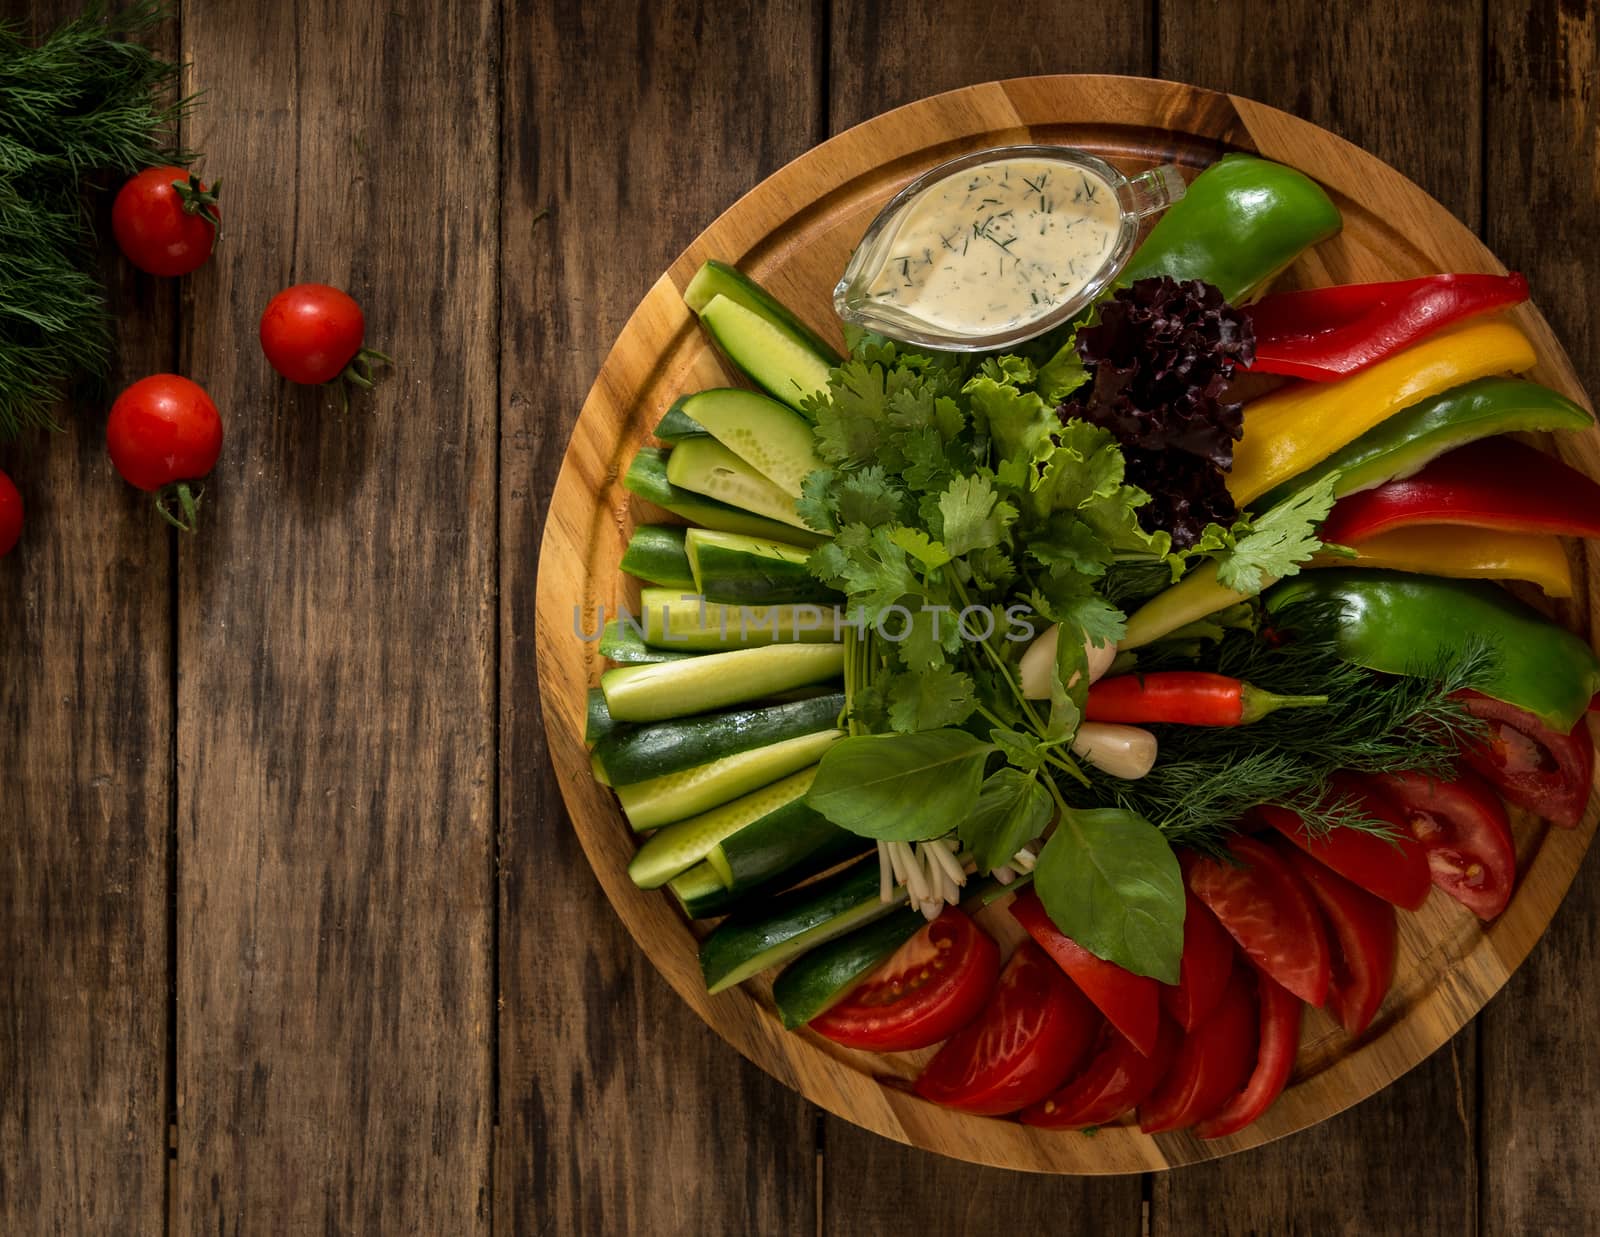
(1266, 908)
(1210, 1065)
(1024, 1044)
(1396, 871)
(1279, 1040)
(1364, 935)
(1116, 1081)
(1533, 766)
(929, 989)
(1463, 829)
(1131, 1002)
(1203, 973)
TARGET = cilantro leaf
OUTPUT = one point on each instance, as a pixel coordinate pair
(973, 517)
(868, 497)
(1022, 750)
(1281, 540)
(930, 699)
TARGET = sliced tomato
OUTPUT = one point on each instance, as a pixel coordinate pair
(1364, 936)
(1278, 1042)
(1207, 962)
(1464, 831)
(1131, 1002)
(1116, 1081)
(1267, 909)
(1032, 1034)
(1211, 1063)
(929, 989)
(1396, 871)
(1533, 766)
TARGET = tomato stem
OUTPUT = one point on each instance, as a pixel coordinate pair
(359, 372)
(188, 502)
(198, 200)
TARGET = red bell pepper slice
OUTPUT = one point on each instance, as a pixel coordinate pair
(1325, 333)
(1496, 483)
(1279, 1041)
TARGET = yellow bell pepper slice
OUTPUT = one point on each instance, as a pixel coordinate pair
(1294, 428)
(1465, 554)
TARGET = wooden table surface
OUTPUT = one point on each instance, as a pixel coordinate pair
(294, 935)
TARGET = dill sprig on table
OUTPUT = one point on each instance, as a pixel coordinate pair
(82, 103)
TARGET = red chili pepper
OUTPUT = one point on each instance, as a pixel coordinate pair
(1187, 697)
(1496, 483)
(1325, 333)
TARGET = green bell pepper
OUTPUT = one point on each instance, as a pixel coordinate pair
(1400, 624)
(1406, 441)
(1241, 222)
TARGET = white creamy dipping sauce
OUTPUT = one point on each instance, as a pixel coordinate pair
(998, 245)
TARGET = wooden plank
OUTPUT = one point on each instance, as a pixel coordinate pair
(884, 55)
(86, 766)
(1540, 1079)
(627, 129)
(336, 638)
(1404, 83)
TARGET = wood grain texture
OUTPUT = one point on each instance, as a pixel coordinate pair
(336, 639)
(1393, 81)
(872, 1185)
(1543, 218)
(795, 230)
(85, 809)
(619, 1111)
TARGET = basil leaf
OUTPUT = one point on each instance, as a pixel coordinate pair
(1012, 809)
(1022, 750)
(1110, 881)
(900, 787)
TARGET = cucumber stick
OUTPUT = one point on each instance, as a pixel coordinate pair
(825, 976)
(766, 351)
(673, 620)
(598, 724)
(684, 844)
(706, 467)
(656, 552)
(716, 680)
(771, 437)
(622, 643)
(676, 796)
(720, 279)
(647, 477)
(760, 864)
(728, 567)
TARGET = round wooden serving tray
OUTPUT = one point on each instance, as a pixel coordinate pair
(794, 232)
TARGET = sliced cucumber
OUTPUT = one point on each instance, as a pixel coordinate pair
(677, 796)
(706, 467)
(826, 975)
(673, 620)
(716, 680)
(766, 351)
(741, 570)
(676, 424)
(684, 844)
(647, 477)
(771, 437)
(641, 753)
(599, 724)
(656, 553)
(792, 923)
(719, 279)
(702, 891)
(621, 642)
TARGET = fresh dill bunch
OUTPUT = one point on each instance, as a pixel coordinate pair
(1207, 777)
(84, 103)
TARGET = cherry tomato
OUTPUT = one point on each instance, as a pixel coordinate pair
(1396, 871)
(163, 433)
(1463, 829)
(1116, 1081)
(10, 515)
(1279, 1040)
(165, 220)
(1029, 1038)
(1211, 1063)
(1131, 1002)
(1207, 962)
(1533, 766)
(1364, 932)
(312, 334)
(1266, 908)
(929, 989)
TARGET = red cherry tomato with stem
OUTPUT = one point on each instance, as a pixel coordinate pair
(1463, 829)
(1211, 1063)
(1116, 1081)
(1208, 956)
(926, 991)
(1028, 1039)
(1396, 871)
(313, 334)
(164, 433)
(1532, 765)
(1278, 1041)
(10, 515)
(166, 220)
